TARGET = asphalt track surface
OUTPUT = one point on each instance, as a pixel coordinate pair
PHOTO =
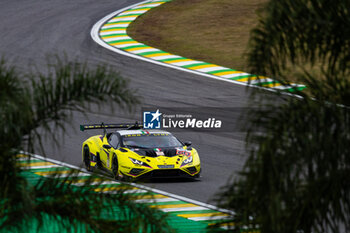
(33, 29)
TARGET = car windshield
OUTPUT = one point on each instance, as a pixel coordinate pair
(151, 141)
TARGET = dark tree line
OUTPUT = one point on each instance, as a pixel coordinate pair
(296, 178)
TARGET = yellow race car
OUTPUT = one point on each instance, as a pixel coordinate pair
(133, 153)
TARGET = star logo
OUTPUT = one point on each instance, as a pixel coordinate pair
(156, 115)
(152, 120)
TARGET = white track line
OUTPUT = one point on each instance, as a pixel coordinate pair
(209, 218)
(184, 209)
(126, 191)
(155, 200)
(96, 183)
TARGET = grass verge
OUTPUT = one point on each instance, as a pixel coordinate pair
(214, 31)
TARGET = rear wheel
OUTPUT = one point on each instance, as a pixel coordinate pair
(87, 159)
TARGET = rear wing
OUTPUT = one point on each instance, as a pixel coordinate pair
(135, 125)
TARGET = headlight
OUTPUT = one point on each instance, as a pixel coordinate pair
(138, 162)
(135, 161)
(186, 161)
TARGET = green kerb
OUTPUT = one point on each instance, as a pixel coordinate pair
(219, 71)
(113, 28)
(122, 16)
(172, 59)
(116, 41)
(243, 76)
(197, 64)
(135, 46)
(123, 22)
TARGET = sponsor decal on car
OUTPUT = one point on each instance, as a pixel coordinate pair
(183, 152)
(165, 166)
(159, 152)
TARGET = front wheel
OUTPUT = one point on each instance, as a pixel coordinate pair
(87, 159)
(115, 167)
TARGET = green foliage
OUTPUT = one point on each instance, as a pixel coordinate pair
(52, 205)
(46, 100)
(301, 31)
(296, 175)
(296, 179)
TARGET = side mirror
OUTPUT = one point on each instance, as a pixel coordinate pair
(106, 146)
(188, 143)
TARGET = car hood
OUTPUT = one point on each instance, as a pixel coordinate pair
(155, 152)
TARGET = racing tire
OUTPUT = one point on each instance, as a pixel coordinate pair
(115, 167)
(197, 177)
(87, 159)
(98, 161)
